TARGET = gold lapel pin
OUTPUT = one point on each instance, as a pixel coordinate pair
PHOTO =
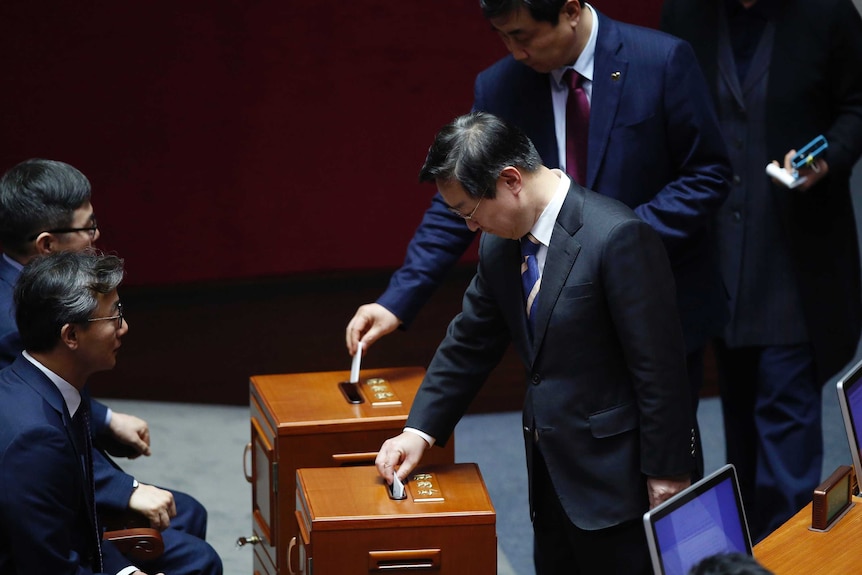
(615, 76)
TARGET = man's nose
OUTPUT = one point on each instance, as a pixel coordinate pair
(472, 225)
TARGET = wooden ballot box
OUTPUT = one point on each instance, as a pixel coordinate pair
(307, 420)
(350, 525)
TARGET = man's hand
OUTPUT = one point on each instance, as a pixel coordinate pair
(132, 431)
(371, 322)
(660, 489)
(155, 504)
(142, 573)
(813, 174)
(402, 453)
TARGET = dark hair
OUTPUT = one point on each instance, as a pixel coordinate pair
(38, 195)
(473, 150)
(729, 564)
(61, 288)
(540, 10)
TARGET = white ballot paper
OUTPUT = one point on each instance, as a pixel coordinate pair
(397, 487)
(791, 180)
(354, 367)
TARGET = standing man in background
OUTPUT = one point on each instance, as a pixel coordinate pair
(782, 72)
(625, 112)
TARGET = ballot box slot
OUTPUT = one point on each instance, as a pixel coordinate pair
(404, 559)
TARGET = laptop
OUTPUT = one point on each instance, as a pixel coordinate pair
(850, 400)
(705, 519)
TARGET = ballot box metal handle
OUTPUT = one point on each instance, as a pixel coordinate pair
(413, 559)
(246, 462)
(353, 459)
(290, 547)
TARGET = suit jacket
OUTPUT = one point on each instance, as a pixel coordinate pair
(654, 144)
(46, 520)
(10, 343)
(113, 486)
(814, 87)
(607, 393)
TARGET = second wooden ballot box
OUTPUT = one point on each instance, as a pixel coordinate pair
(350, 524)
(314, 420)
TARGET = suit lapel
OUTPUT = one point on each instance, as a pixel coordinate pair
(609, 77)
(562, 253)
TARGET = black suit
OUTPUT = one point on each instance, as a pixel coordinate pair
(796, 323)
(607, 399)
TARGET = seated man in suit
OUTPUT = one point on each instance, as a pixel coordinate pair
(71, 323)
(583, 289)
(44, 208)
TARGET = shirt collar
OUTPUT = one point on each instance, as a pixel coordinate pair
(585, 64)
(15, 264)
(71, 396)
(544, 226)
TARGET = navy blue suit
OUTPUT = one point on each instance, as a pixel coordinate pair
(46, 522)
(186, 551)
(654, 145)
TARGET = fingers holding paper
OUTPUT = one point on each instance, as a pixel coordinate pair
(370, 322)
(400, 454)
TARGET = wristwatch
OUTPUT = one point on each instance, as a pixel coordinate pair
(134, 484)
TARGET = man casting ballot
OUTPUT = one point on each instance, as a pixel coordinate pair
(583, 289)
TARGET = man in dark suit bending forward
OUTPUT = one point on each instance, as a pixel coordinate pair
(607, 419)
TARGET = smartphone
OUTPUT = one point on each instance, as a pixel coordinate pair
(805, 156)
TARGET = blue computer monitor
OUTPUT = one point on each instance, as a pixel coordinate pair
(703, 520)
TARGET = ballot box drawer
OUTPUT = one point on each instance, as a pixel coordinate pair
(306, 420)
(349, 525)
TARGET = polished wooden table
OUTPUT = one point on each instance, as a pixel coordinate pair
(794, 548)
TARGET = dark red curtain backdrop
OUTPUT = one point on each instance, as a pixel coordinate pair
(245, 139)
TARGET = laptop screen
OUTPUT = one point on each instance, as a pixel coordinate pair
(703, 520)
(850, 399)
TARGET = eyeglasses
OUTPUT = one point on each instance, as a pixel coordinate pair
(91, 229)
(466, 217)
(118, 317)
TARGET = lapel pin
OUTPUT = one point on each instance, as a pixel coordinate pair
(615, 76)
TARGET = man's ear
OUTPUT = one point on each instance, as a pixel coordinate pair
(511, 179)
(69, 335)
(45, 244)
(571, 11)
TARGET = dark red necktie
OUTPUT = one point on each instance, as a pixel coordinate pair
(577, 127)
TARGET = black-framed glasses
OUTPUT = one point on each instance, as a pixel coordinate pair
(466, 217)
(118, 317)
(91, 229)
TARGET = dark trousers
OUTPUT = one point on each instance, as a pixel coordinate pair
(773, 427)
(560, 548)
(186, 552)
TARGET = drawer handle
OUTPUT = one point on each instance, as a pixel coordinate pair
(245, 460)
(347, 459)
(417, 559)
(290, 547)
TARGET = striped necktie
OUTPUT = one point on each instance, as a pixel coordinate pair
(530, 274)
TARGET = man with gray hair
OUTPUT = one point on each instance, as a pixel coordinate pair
(583, 289)
(45, 208)
(71, 323)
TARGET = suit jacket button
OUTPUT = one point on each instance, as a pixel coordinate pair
(537, 379)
